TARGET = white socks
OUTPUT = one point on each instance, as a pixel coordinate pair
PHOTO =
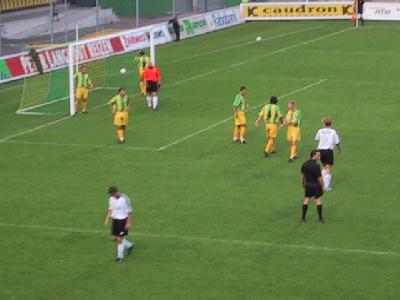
(148, 98)
(327, 177)
(155, 102)
(120, 250)
(152, 101)
(127, 244)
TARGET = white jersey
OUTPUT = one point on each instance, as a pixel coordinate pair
(327, 138)
(120, 207)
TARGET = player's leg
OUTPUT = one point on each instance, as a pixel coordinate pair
(148, 95)
(242, 133)
(318, 201)
(85, 96)
(120, 248)
(78, 98)
(327, 177)
(272, 134)
(243, 127)
(154, 97)
(306, 201)
(236, 130)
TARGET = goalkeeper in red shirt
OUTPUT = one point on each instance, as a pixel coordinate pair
(152, 78)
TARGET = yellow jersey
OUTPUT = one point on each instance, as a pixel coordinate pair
(270, 113)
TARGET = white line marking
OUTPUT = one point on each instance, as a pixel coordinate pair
(11, 88)
(213, 240)
(199, 76)
(291, 47)
(242, 45)
(80, 145)
(230, 118)
(27, 109)
(33, 129)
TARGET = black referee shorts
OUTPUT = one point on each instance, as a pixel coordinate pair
(118, 227)
(313, 190)
(151, 86)
(326, 156)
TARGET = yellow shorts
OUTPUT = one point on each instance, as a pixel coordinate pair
(241, 119)
(271, 130)
(293, 134)
(121, 118)
(82, 93)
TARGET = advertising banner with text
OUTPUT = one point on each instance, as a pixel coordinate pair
(296, 10)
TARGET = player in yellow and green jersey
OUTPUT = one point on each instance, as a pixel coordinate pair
(239, 114)
(271, 115)
(83, 84)
(293, 120)
(119, 106)
(142, 61)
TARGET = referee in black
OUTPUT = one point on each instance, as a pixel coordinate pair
(313, 184)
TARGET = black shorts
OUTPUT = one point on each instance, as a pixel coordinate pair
(313, 190)
(326, 156)
(151, 86)
(118, 227)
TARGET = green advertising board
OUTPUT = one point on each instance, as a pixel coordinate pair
(4, 71)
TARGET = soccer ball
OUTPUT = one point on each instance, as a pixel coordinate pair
(122, 71)
(258, 39)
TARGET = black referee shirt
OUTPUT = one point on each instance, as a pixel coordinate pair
(311, 171)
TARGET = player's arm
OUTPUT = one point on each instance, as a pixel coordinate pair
(128, 223)
(108, 217)
(339, 147)
(320, 179)
(337, 143)
(128, 104)
(321, 182)
(281, 118)
(303, 180)
(236, 104)
(111, 105)
(259, 118)
(90, 83)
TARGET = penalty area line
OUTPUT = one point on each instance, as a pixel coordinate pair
(80, 145)
(309, 86)
(232, 242)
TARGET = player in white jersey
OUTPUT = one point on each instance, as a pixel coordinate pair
(120, 211)
(327, 139)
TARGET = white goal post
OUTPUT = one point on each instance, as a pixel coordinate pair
(101, 48)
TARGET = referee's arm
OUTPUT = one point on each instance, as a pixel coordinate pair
(321, 182)
(303, 180)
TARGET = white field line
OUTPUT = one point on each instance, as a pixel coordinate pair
(24, 110)
(198, 76)
(230, 118)
(11, 88)
(81, 145)
(244, 243)
(33, 129)
(242, 45)
(292, 47)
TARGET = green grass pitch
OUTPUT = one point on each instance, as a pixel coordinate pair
(212, 220)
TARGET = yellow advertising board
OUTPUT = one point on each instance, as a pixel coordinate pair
(297, 10)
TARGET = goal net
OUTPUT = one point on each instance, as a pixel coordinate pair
(53, 91)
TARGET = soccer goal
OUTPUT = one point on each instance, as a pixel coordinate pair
(53, 91)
